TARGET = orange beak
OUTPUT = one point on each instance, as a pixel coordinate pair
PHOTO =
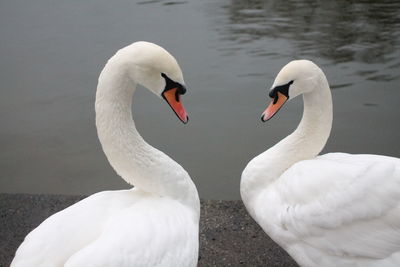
(174, 100)
(274, 106)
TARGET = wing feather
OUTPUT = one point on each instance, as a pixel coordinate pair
(341, 204)
(67, 231)
(150, 233)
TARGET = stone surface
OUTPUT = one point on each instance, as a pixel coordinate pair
(228, 236)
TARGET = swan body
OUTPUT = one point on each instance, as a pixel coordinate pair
(336, 209)
(154, 224)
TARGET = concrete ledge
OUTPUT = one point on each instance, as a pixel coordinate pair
(228, 236)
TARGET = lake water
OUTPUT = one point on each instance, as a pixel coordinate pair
(52, 51)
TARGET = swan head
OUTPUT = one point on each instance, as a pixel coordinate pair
(296, 78)
(153, 67)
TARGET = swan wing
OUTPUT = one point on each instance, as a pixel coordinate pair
(152, 232)
(66, 232)
(340, 204)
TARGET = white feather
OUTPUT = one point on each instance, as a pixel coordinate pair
(332, 210)
(154, 224)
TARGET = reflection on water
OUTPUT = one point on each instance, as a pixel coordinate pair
(230, 51)
(340, 31)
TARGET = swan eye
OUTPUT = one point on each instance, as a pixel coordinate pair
(284, 89)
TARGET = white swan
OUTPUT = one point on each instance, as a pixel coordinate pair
(332, 210)
(155, 223)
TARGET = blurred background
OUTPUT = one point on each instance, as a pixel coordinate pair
(52, 51)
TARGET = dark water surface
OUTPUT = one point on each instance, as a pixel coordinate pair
(52, 51)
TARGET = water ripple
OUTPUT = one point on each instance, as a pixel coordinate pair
(366, 32)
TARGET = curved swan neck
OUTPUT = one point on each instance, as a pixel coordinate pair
(304, 143)
(138, 163)
(314, 129)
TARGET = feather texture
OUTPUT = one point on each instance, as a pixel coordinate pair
(332, 210)
(154, 224)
